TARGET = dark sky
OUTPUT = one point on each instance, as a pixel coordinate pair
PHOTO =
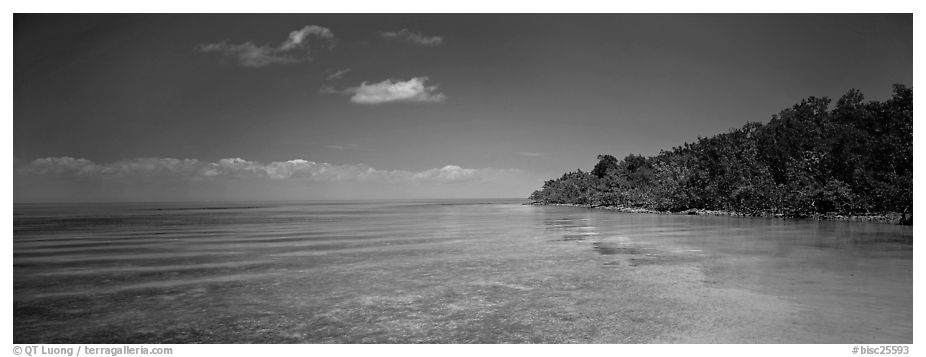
(455, 106)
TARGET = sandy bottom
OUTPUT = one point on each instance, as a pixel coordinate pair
(523, 275)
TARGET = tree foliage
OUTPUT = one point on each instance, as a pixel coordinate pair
(856, 158)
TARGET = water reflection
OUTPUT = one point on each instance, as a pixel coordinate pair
(764, 247)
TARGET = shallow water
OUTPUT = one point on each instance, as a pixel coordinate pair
(455, 271)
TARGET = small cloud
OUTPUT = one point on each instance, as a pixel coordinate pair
(388, 91)
(250, 55)
(336, 147)
(529, 153)
(297, 38)
(412, 37)
(337, 74)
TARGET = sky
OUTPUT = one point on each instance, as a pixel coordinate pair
(207, 107)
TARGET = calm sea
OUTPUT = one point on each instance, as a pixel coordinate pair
(470, 271)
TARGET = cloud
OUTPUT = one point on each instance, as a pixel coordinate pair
(69, 166)
(238, 168)
(294, 49)
(297, 38)
(416, 38)
(388, 91)
(532, 154)
(337, 74)
(448, 173)
(250, 55)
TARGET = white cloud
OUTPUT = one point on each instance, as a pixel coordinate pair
(387, 91)
(412, 37)
(448, 173)
(238, 168)
(250, 55)
(297, 38)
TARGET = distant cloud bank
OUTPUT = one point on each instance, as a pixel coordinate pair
(404, 35)
(250, 55)
(413, 90)
(237, 168)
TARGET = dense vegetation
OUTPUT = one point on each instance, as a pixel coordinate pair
(856, 159)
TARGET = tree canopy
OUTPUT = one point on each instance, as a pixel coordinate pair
(856, 158)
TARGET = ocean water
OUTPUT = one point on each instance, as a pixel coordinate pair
(465, 271)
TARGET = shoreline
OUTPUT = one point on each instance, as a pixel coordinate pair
(890, 218)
